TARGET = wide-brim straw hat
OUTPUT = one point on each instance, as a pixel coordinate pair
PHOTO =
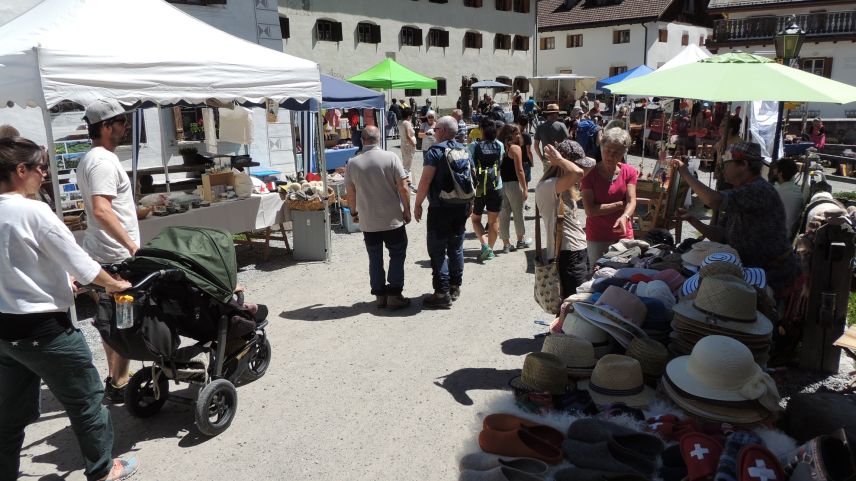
(723, 413)
(578, 327)
(652, 356)
(553, 109)
(728, 303)
(618, 379)
(542, 372)
(577, 354)
(701, 250)
(754, 276)
(617, 327)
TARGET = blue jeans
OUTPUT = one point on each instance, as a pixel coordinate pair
(446, 246)
(396, 243)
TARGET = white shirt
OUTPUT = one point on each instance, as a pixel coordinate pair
(792, 197)
(101, 173)
(573, 228)
(37, 253)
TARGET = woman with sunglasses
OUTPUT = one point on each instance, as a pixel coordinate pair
(37, 339)
(427, 130)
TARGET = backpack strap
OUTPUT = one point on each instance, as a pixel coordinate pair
(560, 221)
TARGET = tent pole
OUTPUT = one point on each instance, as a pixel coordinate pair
(51, 148)
(322, 171)
(135, 151)
(164, 156)
(778, 140)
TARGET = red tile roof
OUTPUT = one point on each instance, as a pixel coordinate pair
(555, 15)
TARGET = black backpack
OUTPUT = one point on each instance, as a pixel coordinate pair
(487, 168)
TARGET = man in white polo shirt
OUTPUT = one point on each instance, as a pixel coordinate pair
(113, 233)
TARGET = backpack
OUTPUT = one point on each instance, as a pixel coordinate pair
(487, 169)
(459, 188)
(587, 137)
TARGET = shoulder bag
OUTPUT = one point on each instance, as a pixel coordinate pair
(548, 285)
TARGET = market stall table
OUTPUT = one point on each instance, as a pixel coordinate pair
(337, 157)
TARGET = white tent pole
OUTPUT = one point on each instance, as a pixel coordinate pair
(322, 162)
(164, 156)
(51, 149)
(135, 149)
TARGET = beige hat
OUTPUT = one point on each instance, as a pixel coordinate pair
(744, 415)
(553, 109)
(542, 372)
(576, 353)
(728, 303)
(618, 379)
(701, 250)
(652, 356)
(578, 327)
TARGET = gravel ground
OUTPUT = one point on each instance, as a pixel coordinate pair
(353, 392)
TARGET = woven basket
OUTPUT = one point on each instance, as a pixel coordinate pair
(311, 204)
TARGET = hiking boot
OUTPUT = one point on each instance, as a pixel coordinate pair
(437, 300)
(524, 243)
(397, 301)
(508, 248)
(454, 292)
(380, 302)
(123, 469)
(114, 394)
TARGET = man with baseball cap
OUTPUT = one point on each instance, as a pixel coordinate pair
(113, 233)
(551, 132)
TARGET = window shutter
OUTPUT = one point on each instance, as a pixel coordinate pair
(827, 67)
(284, 27)
(215, 2)
(336, 29)
(525, 6)
(444, 38)
(179, 124)
(417, 33)
(526, 43)
(478, 40)
(376, 33)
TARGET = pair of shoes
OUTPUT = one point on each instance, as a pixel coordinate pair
(524, 243)
(380, 302)
(123, 469)
(486, 253)
(602, 445)
(488, 467)
(397, 301)
(454, 292)
(508, 248)
(437, 300)
(114, 394)
(509, 435)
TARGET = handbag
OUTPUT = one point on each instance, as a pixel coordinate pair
(548, 285)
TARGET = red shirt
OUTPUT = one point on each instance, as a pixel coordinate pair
(599, 228)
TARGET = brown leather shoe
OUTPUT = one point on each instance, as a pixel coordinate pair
(397, 302)
(519, 444)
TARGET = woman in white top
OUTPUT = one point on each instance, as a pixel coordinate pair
(427, 129)
(408, 144)
(37, 340)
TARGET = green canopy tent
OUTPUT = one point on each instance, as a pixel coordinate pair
(390, 74)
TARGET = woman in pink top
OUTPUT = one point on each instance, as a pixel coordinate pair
(609, 196)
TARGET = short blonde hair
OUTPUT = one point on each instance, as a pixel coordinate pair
(616, 136)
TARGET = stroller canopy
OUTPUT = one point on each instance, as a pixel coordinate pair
(207, 257)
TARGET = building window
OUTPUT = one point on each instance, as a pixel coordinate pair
(472, 40)
(441, 87)
(566, 71)
(413, 92)
(818, 65)
(438, 38)
(473, 3)
(328, 31)
(617, 70)
(411, 36)
(685, 39)
(621, 36)
(521, 6)
(664, 35)
(502, 42)
(284, 27)
(548, 43)
(368, 33)
(504, 80)
(701, 41)
(575, 41)
(188, 123)
(504, 5)
(438, 1)
(521, 84)
(521, 43)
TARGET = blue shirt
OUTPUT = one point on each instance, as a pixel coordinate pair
(436, 157)
(529, 106)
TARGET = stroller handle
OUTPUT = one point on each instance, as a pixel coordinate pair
(166, 274)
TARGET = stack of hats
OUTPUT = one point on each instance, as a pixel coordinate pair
(576, 354)
(652, 357)
(724, 305)
(693, 258)
(618, 379)
(575, 326)
(659, 301)
(721, 382)
(724, 263)
(542, 373)
(617, 312)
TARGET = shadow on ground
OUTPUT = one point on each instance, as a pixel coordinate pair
(460, 382)
(522, 346)
(322, 312)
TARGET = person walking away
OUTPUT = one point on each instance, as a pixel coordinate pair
(589, 135)
(609, 196)
(395, 108)
(408, 144)
(377, 190)
(526, 147)
(447, 183)
(487, 155)
(560, 184)
(551, 132)
(38, 342)
(113, 233)
(427, 130)
(791, 194)
(530, 109)
(517, 107)
(515, 189)
(461, 136)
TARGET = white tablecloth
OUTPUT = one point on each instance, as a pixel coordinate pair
(257, 212)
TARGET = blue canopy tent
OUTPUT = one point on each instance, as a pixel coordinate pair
(632, 73)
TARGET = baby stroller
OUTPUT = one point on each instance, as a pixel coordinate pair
(184, 286)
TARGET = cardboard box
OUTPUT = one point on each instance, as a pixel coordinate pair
(211, 180)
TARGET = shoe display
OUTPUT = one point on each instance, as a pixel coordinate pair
(397, 302)
(455, 292)
(114, 394)
(524, 243)
(380, 301)
(437, 300)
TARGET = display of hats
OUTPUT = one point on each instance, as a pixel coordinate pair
(652, 356)
(542, 372)
(657, 324)
(618, 379)
(577, 354)
(671, 277)
(578, 327)
(700, 250)
(617, 312)
(720, 381)
(658, 290)
(754, 276)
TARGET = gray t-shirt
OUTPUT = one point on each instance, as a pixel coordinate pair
(101, 173)
(551, 133)
(573, 228)
(375, 174)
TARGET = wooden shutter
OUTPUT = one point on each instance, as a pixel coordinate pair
(284, 27)
(417, 34)
(336, 29)
(827, 67)
(179, 124)
(444, 38)
(478, 40)
(375, 33)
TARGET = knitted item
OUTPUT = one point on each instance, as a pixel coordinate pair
(727, 468)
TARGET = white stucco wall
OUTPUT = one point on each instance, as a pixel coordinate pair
(348, 57)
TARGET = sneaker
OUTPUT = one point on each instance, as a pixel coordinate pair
(380, 302)
(508, 248)
(486, 253)
(437, 300)
(454, 292)
(397, 301)
(524, 243)
(123, 469)
(114, 394)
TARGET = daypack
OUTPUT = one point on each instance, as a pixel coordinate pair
(459, 188)
(587, 137)
(487, 167)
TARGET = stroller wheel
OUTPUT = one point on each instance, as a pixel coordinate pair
(258, 360)
(216, 406)
(144, 397)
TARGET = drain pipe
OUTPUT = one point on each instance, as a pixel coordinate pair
(645, 46)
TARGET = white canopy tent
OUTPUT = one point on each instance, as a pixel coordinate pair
(83, 50)
(570, 84)
(691, 53)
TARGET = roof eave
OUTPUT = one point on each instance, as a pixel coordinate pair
(577, 26)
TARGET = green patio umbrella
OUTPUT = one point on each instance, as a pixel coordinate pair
(738, 77)
(389, 74)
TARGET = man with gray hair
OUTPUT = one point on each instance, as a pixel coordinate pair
(380, 202)
(461, 136)
(446, 219)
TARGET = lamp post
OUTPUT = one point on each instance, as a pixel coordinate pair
(789, 41)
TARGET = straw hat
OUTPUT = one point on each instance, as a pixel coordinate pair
(578, 327)
(722, 369)
(577, 354)
(618, 379)
(701, 250)
(542, 372)
(617, 312)
(722, 412)
(553, 109)
(728, 303)
(652, 356)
